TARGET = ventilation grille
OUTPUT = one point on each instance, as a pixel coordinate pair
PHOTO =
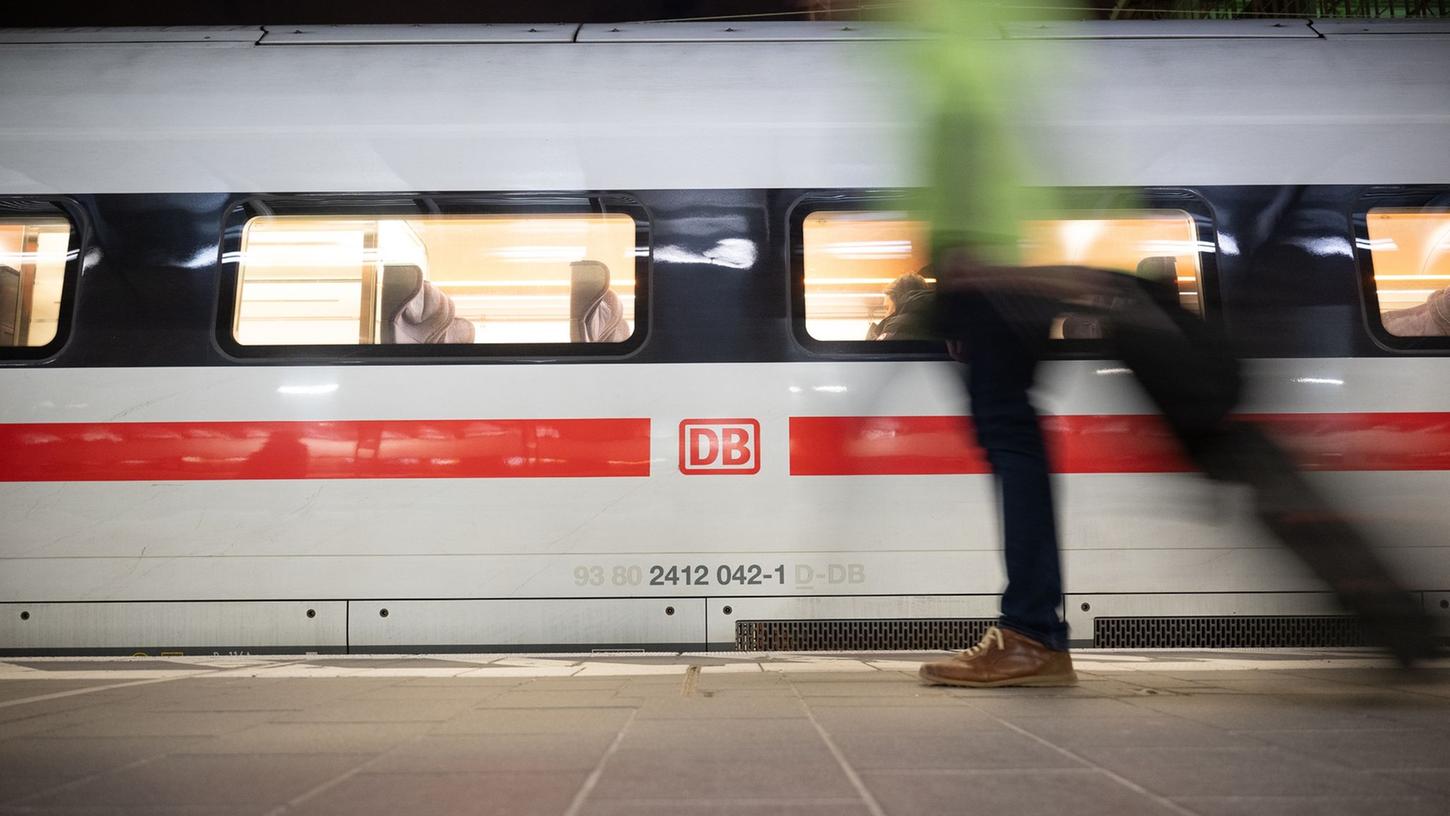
(1227, 632)
(910, 634)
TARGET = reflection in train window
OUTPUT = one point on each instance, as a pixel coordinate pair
(309, 280)
(861, 267)
(32, 273)
(1410, 253)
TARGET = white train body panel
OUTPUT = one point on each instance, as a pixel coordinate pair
(308, 117)
(500, 538)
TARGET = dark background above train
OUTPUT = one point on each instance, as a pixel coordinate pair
(269, 12)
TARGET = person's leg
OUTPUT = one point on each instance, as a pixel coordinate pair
(1004, 339)
(1193, 378)
(1004, 342)
(1300, 517)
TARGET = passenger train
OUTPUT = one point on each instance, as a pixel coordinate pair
(389, 338)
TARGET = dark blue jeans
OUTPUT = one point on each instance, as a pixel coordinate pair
(1002, 354)
(1191, 374)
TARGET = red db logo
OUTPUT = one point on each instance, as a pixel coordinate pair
(719, 446)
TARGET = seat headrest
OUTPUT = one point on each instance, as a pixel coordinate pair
(401, 284)
(1159, 269)
(588, 282)
(1162, 272)
(10, 297)
(1081, 327)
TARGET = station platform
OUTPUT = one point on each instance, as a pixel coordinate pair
(1154, 732)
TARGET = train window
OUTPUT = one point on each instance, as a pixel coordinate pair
(864, 270)
(33, 255)
(436, 279)
(1410, 254)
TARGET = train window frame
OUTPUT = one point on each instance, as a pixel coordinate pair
(243, 210)
(1399, 197)
(1077, 199)
(19, 208)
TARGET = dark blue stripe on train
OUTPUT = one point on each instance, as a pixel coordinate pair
(150, 288)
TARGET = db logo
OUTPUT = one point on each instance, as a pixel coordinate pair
(719, 446)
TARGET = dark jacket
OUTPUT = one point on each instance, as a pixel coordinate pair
(911, 321)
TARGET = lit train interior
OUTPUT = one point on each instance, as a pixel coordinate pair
(503, 279)
(308, 280)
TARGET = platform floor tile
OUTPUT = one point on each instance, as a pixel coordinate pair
(1211, 733)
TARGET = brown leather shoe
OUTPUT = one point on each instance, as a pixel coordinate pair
(1002, 658)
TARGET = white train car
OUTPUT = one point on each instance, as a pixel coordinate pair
(552, 337)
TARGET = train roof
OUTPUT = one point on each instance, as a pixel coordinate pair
(699, 105)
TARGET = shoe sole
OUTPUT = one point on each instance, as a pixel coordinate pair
(1035, 681)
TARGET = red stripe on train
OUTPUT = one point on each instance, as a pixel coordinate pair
(371, 449)
(926, 445)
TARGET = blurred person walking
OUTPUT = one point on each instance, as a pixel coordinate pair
(997, 316)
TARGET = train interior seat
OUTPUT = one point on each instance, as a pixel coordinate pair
(1162, 270)
(10, 300)
(1077, 326)
(415, 311)
(595, 313)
